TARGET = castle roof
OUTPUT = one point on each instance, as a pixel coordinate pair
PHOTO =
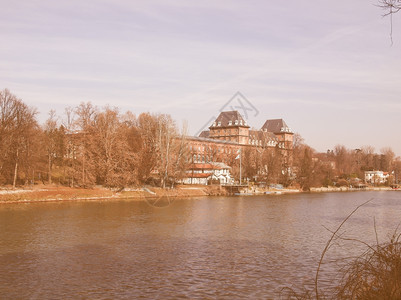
(276, 126)
(229, 118)
(204, 134)
(262, 135)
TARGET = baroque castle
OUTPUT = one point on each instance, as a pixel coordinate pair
(230, 132)
(214, 151)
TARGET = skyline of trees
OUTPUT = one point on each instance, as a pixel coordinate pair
(89, 146)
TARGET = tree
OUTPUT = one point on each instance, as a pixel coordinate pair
(272, 160)
(181, 153)
(70, 146)
(166, 147)
(18, 130)
(390, 7)
(85, 117)
(387, 158)
(250, 162)
(306, 169)
(50, 129)
(109, 149)
(146, 134)
(342, 159)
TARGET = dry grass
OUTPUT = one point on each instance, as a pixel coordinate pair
(56, 193)
(53, 193)
(374, 274)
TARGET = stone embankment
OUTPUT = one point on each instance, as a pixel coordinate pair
(349, 189)
(267, 191)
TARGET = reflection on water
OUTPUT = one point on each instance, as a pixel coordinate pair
(222, 247)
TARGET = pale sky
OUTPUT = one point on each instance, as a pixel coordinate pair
(326, 67)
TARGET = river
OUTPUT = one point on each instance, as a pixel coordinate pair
(194, 248)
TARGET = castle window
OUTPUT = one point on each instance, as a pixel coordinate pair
(230, 123)
(240, 122)
(219, 124)
(236, 122)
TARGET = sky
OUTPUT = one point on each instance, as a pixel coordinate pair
(328, 68)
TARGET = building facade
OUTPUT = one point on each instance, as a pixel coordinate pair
(230, 133)
(206, 173)
(376, 177)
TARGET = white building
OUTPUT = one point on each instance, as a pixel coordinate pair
(203, 173)
(376, 177)
(221, 172)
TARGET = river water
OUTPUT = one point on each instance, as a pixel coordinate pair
(197, 248)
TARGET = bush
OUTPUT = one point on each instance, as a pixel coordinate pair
(342, 182)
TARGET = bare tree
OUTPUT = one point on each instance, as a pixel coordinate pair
(69, 124)
(86, 113)
(110, 150)
(390, 7)
(18, 127)
(146, 148)
(50, 129)
(181, 160)
(166, 134)
(387, 158)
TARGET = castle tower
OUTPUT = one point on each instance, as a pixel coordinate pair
(230, 126)
(281, 130)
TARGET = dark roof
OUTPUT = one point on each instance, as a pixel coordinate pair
(201, 166)
(226, 116)
(204, 134)
(276, 126)
(262, 135)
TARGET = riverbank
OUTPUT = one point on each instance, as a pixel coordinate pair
(276, 191)
(348, 189)
(46, 193)
(59, 193)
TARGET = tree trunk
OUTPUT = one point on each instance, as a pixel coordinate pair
(83, 169)
(15, 171)
(50, 170)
